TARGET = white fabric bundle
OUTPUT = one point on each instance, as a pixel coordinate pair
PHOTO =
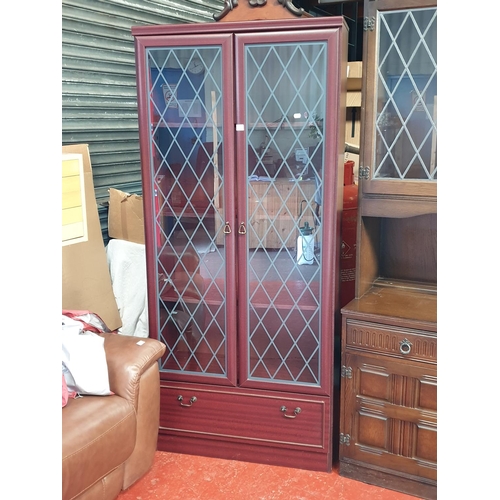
(84, 360)
(127, 268)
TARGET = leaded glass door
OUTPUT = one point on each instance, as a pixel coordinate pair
(400, 140)
(282, 209)
(190, 170)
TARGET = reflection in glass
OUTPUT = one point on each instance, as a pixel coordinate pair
(186, 132)
(285, 107)
(407, 95)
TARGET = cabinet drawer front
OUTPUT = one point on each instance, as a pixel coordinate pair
(400, 342)
(280, 421)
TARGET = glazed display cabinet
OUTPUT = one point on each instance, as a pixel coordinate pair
(388, 423)
(242, 186)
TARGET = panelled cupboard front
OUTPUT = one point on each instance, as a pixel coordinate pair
(388, 414)
(241, 151)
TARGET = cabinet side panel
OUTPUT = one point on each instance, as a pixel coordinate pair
(367, 254)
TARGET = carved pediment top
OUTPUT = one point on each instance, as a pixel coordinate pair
(230, 5)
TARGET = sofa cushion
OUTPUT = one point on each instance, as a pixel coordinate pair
(98, 435)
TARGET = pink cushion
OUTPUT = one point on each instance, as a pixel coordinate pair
(66, 393)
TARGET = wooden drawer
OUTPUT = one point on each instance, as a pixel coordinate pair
(236, 415)
(403, 343)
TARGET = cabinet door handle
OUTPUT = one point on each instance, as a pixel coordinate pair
(227, 228)
(242, 229)
(295, 412)
(405, 346)
(191, 401)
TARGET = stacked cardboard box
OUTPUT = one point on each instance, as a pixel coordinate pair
(126, 216)
(353, 111)
(86, 282)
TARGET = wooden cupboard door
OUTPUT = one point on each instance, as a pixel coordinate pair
(389, 418)
(400, 99)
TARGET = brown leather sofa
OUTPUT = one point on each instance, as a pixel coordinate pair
(109, 442)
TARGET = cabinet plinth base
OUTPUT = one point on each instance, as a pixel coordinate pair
(386, 479)
(299, 459)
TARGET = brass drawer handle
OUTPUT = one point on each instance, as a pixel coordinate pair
(191, 401)
(227, 228)
(295, 412)
(405, 346)
(242, 229)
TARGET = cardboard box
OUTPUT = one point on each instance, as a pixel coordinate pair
(125, 216)
(353, 111)
(353, 99)
(86, 282)
(354, 75)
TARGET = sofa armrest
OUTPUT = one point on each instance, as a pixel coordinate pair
(128, 358)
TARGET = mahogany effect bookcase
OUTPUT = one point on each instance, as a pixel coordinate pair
(241, 134)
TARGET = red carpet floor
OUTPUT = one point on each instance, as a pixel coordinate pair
(186, 477)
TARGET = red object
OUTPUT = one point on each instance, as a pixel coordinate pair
(91, 322)
(349, 232)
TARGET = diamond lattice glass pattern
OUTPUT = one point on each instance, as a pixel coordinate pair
(186, 132)
(285, 90)
(407, 89)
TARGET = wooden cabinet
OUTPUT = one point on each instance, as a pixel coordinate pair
(388, 414)
(399, 135)
(389, 391)
(235, 122)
